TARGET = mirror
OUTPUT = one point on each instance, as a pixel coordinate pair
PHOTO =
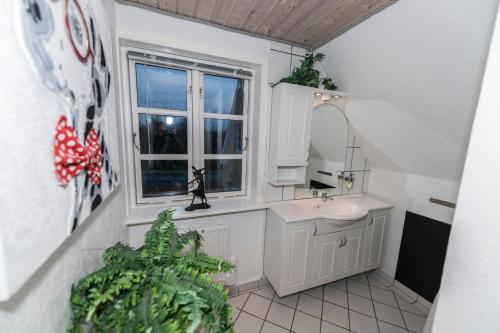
(327, 150)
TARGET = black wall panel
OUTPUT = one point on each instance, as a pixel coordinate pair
(422, 254)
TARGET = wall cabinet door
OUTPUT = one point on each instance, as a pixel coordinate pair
(326, 254)
(294, 104)
(297, 273)
(374, 239)
(351, 252)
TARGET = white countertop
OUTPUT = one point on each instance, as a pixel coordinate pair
(293, 211)
(288, 210)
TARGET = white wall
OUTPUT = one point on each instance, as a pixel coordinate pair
(168, 33)
(42, 304)
(413, 72)
(409, 192)
(470, 286)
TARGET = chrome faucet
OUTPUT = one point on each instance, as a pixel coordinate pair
(314, 192)
(325, 197)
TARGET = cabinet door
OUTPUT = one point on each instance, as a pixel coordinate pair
(297, 271)
(326, 253)
(295, 124)
(351, 252)
(375, 237)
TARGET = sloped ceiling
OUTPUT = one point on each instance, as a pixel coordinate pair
(305, 23)
(414, 74)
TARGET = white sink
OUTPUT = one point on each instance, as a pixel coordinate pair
(342, 210)
(337, 209)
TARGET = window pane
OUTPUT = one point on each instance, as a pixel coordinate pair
(166, 135)
(223, 136)
(164, 178)
(223, 95)
(161, 87)
(223, 175)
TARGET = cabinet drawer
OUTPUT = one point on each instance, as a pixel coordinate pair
(326, 226)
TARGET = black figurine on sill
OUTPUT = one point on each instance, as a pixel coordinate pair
(198, 192)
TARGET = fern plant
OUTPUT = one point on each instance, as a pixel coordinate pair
(306, 75)
(164, 286)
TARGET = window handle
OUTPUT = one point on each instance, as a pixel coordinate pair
(246, 144)
(133, 141)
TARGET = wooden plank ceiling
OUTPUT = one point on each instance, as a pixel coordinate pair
(306, 23)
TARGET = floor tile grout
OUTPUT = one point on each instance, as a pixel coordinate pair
(304, 292)
(295, 309)
(348, 314)
(322, 303)
(349, 309)
(267, 312)
(392, 306)
(373, 304)
(241, 310)
(294, 312)
(401, 313)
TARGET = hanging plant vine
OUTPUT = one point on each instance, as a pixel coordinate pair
(306, 75)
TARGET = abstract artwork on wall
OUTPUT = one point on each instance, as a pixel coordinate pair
(84, 100)
(56, 81)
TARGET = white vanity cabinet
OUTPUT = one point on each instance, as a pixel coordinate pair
(298, 243)
(291, 273)
(305, 254)
(351, 252)
(290, 133)
(325, 258)
(374, 239)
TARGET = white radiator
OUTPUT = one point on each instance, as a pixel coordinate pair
(216, 241)
(216, 244)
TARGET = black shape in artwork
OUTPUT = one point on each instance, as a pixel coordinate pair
(199, 191)
(96, 202)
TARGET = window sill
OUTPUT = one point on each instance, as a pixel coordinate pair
(144, 215)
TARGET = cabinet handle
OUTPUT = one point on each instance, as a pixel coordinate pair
(315, 229)
(246, 144)
(345, 242)
(371, 221)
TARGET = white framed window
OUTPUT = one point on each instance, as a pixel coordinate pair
(185, 116)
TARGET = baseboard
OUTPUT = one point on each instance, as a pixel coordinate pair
(404, 292)
(247, 286)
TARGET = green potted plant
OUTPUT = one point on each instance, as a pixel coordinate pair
(163, 286)
(306, 75)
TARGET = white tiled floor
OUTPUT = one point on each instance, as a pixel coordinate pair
(360, 304)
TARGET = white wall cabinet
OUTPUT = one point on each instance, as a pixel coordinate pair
(290, 133)
(302, 255)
